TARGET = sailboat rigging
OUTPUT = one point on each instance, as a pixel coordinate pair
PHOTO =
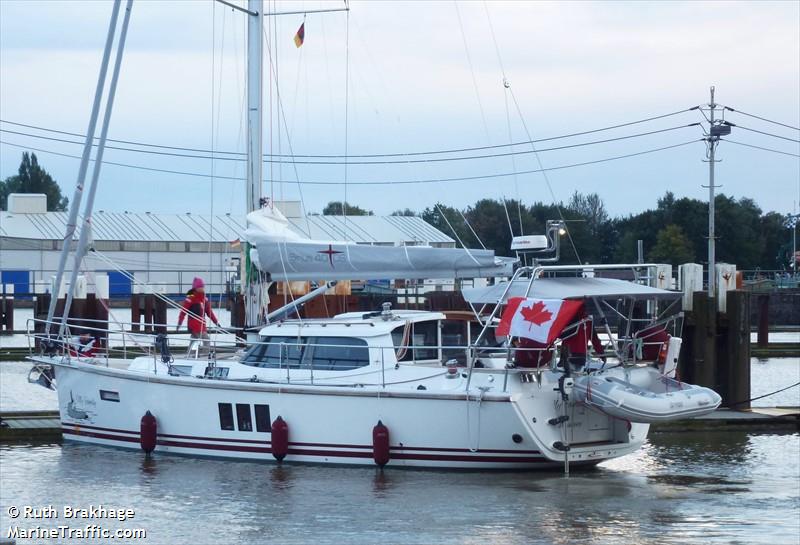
(388, 386)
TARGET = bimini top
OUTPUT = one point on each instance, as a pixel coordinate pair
(567, 288)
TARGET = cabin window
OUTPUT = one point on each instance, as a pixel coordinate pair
(403, 349)
(336, 354)
(108, 395)
(454, 337)
(422, 335)
(268, 352)
(488, 338)
(225, 416)
(217, 372)
(262, 418)
(180, 370)
(426, 339)
(243, 417)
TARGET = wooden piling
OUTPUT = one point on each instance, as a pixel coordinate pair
(237, 311)
(99, 308)
(704, 340)
(735, 367)
(149, 312)
(41, 305)
(77, 314)
(160, 315)
(763, 320)
(136, 311)
(7, 310)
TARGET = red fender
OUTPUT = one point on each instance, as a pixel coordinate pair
(148, 432)
(380, 444)
(280, 438)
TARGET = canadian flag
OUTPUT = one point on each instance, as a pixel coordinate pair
(541, 320)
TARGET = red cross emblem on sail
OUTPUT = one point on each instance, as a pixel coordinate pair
(330, 252)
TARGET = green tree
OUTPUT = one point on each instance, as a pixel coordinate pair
(449, 221)
(672, 246)
(590, 230)
(405, 212)
(32, 178)
(488, 218)
(337, 208)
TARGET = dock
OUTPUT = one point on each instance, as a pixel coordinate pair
(45, 426)
(757, 420)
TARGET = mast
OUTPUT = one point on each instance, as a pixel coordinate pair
(252, 285)
(255, 95)
(75, 204)
(86, 230)
(255, 164)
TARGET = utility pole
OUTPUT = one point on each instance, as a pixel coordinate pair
(717, 128)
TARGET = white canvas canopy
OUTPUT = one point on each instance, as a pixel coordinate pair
(566, 288)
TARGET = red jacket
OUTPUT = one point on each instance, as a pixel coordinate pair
(198, 308)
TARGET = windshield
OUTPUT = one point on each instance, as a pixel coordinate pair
(318, 353)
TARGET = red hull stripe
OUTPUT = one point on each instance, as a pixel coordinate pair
(368, 448)
(313, 452)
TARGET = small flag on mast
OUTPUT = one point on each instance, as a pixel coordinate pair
(300, 36)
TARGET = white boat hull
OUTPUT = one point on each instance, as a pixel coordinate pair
(334, 424)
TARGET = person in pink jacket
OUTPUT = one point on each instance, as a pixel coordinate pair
(197, 307)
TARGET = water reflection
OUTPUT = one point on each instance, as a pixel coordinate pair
(681, 488)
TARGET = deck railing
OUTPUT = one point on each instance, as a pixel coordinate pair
(223, 345)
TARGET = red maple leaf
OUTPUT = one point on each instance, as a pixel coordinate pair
(537, 314)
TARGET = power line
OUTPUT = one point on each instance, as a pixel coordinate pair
(544, 175)
(388, 162)
(761, 148)
(762, 132)
(762, 118)
(364, 156)
(378, 182)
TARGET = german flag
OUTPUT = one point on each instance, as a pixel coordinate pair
(301, 35)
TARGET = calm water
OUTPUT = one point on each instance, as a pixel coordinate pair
(681, 488)
(687, 488)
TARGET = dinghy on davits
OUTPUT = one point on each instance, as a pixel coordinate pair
(646, 396)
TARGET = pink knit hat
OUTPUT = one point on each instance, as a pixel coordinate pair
(198, 283)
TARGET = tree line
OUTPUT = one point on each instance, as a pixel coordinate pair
(675, 231)
(32, 178)
(672, 232)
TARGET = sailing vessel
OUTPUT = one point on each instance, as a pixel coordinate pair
(396, 387)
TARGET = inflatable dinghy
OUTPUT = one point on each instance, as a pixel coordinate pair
(660, 399)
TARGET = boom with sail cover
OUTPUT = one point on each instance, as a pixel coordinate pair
(285, 256)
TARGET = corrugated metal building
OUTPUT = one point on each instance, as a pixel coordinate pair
(170, 249)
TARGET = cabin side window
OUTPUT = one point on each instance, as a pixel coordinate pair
(276, 352)
(225, 416)
(454, 338)
(263, 422)
(336, 353)
(488, 339)
(243, 417)
(420, 341)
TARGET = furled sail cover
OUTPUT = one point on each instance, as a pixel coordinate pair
(291, 260)
(286, 255)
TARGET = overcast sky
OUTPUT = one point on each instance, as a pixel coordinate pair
(572, 66)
